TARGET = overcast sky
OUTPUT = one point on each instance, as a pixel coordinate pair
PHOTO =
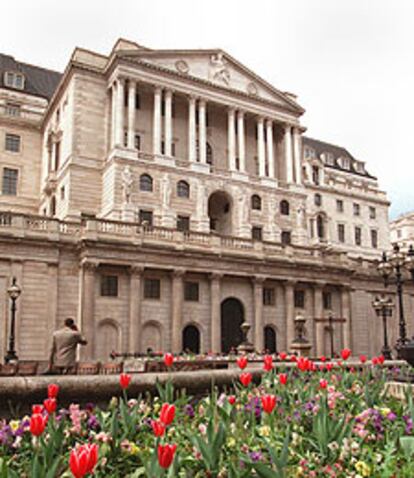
(351, 62)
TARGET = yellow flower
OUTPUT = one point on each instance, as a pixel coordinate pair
(385, 411)
(362, 468)
(157, 406)
(14, 425)
(231, 442)
(134, 450)
(264, 431)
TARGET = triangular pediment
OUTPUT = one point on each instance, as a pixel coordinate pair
(216, 67)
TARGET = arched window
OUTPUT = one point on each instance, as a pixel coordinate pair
(284, 207)
(320, 226)
(318, 199)
(256, 202)
(145, 182)
(191, 339)
(270, 339)
(209, 153)
(183, 189)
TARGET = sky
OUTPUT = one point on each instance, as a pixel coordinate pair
(350, 62)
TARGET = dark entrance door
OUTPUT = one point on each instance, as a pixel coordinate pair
(191, 339)
(232, 316)
(270, 339)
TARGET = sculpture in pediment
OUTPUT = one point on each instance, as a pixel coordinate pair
(219, 69)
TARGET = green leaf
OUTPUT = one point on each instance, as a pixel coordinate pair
(407, 445)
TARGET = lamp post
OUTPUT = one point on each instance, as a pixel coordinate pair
(383, 307)
(14, 292)
(393, 267)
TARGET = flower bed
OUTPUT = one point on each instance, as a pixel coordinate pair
(312, 421)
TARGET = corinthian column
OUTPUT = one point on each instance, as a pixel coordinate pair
(168, 123)
(191, 129)
(156, 130)
(346, 314)
(241, 141)
(231, 139)
(88, 309)
(120, 92)
(270, 154)
(258, 313)
(318, 314)
(288, 154)
(261, 146)
(289, 304)
(113, 117)
(297, 154)
(202, 138)
(131, 114)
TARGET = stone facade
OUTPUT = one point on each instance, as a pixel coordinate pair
(162, 197)
(402, 230)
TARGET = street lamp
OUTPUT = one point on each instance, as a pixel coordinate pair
(395, 265)
(14, 292)
(383, 307)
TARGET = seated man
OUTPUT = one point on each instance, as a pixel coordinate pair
(65, 342)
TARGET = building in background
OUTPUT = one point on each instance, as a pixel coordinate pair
(162, 197)
(402, 230)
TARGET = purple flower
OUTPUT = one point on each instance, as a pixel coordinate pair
(392, 416)
(93, 422)
(189, 410)
(255, 456)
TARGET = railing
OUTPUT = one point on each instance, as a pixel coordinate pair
(40, 226)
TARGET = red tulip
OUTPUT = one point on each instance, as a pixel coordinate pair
(322, 358)
(166, 455)
(231, 399)
(158, 427)
(245, 378)
(323, 383)
(329, 367)
(322, 367)
(124, 380)
(83, 459)
(37, 424)
(345, 353)
(242, 362)
(168, 359)
(50, 405)
(303, 364)
(283, 355)
(381, 359)
(362, 358)
(52, 390)
(283, 378)
(268, 403)
(268, 363)
(36, 409)
(167, 413)
(293, 358)
(375, 361)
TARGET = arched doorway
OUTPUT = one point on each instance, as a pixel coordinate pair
(220, 212)
(191, 339)
(232, 316)
(270, 339)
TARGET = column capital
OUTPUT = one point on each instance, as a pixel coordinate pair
(89, 265)
(136, 269)
(269, 122)
(260, 119)
(215, 276)
(290, 282)
(287, 127)
(259, 279)
(192, 98)
(179, 272)
(231, 109)
(319, 285)
(121, 80)
(168, 92)
(240, 113)
(202, 102)
(158, 89)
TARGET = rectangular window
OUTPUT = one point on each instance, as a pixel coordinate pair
(327, 300)
(9, 184)
(109, 286)
(358, 235)
(172, 149)
(137, 101)
(286, 237)
(145, 217)
(62, 192)
(374, 238)
(315, 175)
(57, 155)
(152, 289)
(357, 209)
(257, 233)
(372, 212)
(300, 299)
(341, 232)
(191, 291)
(183, 223)
(137, 142)
(339, 205)
(12, 110)
(12, 142)
(268, 296)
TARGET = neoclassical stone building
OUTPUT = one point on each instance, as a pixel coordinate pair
(162, 197)
(402, 230)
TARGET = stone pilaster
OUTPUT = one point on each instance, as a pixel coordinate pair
(346, 314)
(320, 324)
(270, 152)
(231, 139)
(297, 155)
(119, 136)
(258, 313)
(168, 123)
(215, 293)
(131, 114)
(290, 312)
(191, 129)
(202, 133)
(134, 327)
(87, 324)
(156, 129)
(288, 154)
(177, 310)
(261, 153)
(113, 118)
(241, 141)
